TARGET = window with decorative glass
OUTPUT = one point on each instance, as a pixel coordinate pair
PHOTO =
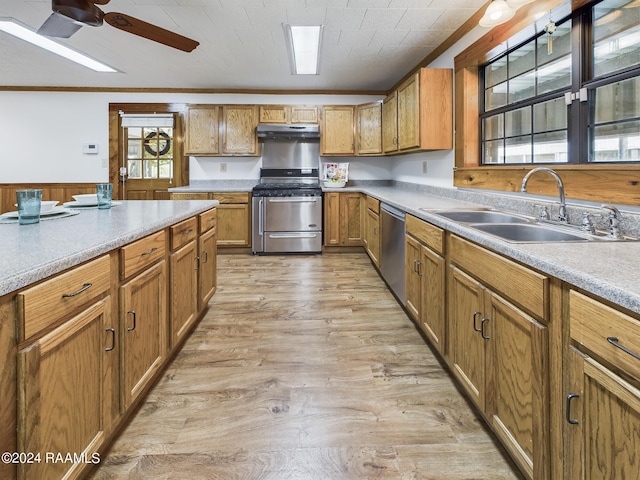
(575, 79)
(149, 152)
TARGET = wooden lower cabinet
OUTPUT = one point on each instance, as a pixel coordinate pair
(183, 290)
(343, 219)
(63, 390)
(143, 325)
(207, 267)
(372, 236)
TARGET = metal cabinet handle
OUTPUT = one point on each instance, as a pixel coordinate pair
(415, 266)
(614, 341)
(475, 315)
(149, 252)
(86, 286)
(113, 339)
(133, 313)
(419, 272)
(186, 231)
(567, 409)
(482, 322)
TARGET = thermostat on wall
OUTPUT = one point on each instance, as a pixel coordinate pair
(90, 148)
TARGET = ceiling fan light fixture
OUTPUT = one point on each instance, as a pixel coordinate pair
(304, 46)
(496, 13)
(18, 30)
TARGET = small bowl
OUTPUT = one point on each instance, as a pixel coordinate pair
(86, 198)
(334, 184)
(46, 205)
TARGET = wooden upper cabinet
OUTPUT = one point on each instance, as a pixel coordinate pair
(369, 128)
(419, 114)
(288, 114)
(202, 130)
(337, 136)
(239, 130)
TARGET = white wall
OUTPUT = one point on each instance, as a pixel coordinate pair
(42, 134)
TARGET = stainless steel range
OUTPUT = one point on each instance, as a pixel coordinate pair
(287, 203)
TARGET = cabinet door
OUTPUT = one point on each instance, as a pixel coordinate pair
(351, 219)
(273, 114)
(605, 430)
(369, 129)
(184, 290)
(337, 135)
(331, 218)
(144, 325)
(234, 225)
(413, 280)
(390, 123)
(467, 345)
(432, 313)
(372, 243)
(239, 130)
(61, 392)
(207, 267)
(304, 114)
(409, 113)
(203, 130)
(517, 396)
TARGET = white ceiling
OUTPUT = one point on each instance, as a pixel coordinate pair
(367, 44)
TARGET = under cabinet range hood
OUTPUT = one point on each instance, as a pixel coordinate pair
(288, 131)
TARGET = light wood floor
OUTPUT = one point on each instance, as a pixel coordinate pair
(305, 368)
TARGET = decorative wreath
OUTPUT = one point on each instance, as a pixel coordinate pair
(150, 150)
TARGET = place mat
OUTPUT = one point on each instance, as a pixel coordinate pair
(11, 217)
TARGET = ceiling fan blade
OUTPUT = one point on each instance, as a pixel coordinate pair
(152, 32)
(59, 26)
(100, 2)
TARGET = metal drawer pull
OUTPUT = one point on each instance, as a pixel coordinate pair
(186, 231)
(482, 322)
(475, 314)
(149, 252)
(86, 286)
(132, 312)
(614, 341)
(113, 339)
(567, 409)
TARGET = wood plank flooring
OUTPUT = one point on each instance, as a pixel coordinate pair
(305, 368)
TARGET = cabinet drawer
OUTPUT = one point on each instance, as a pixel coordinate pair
(373, 204)
(527, 288)
(430, 235)
(183, 232)
(142, 253)
(231, 197)
(49, 301)
(208, 220)
(189, 196)
(600, 329)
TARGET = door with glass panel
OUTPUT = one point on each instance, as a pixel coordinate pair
(149, 158)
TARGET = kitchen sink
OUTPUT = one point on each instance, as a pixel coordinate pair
(531, 233)
(481, 216)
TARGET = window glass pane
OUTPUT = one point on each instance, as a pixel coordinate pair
(518, 149)
(135, 168)
(555, 75)
(522, 87)
(493, 127)
(551, 47)
(134, 132)
(493, 152)
(618, 101)
(166, 167)
(551, 115)
(150, 169)
(134, 149)
(496, 72)
(550, 147)
(619, 142)
(518, 122)
(522, 60)
(496, 96)
(616, 35)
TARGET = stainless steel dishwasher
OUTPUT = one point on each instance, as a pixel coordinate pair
(392, 255)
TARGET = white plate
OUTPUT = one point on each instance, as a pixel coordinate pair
(76, 204)
(53, 211)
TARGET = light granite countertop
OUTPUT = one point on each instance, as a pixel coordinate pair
(216, 186)
(29, 253)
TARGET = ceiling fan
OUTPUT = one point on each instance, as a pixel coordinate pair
(70, 15)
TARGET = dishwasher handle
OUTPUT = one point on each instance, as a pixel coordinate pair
(393, 211)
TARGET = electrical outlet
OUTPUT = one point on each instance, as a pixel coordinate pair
(424, 166)
(105, 163)
(223, 167)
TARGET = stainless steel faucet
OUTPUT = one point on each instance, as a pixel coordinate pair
(562, 212)
(613, 219)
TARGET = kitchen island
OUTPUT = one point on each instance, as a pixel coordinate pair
(92, 307)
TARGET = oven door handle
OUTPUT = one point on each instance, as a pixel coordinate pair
(293, 235)
(261, 216)
(294, 200)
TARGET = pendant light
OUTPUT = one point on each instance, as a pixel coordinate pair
(497, 12)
